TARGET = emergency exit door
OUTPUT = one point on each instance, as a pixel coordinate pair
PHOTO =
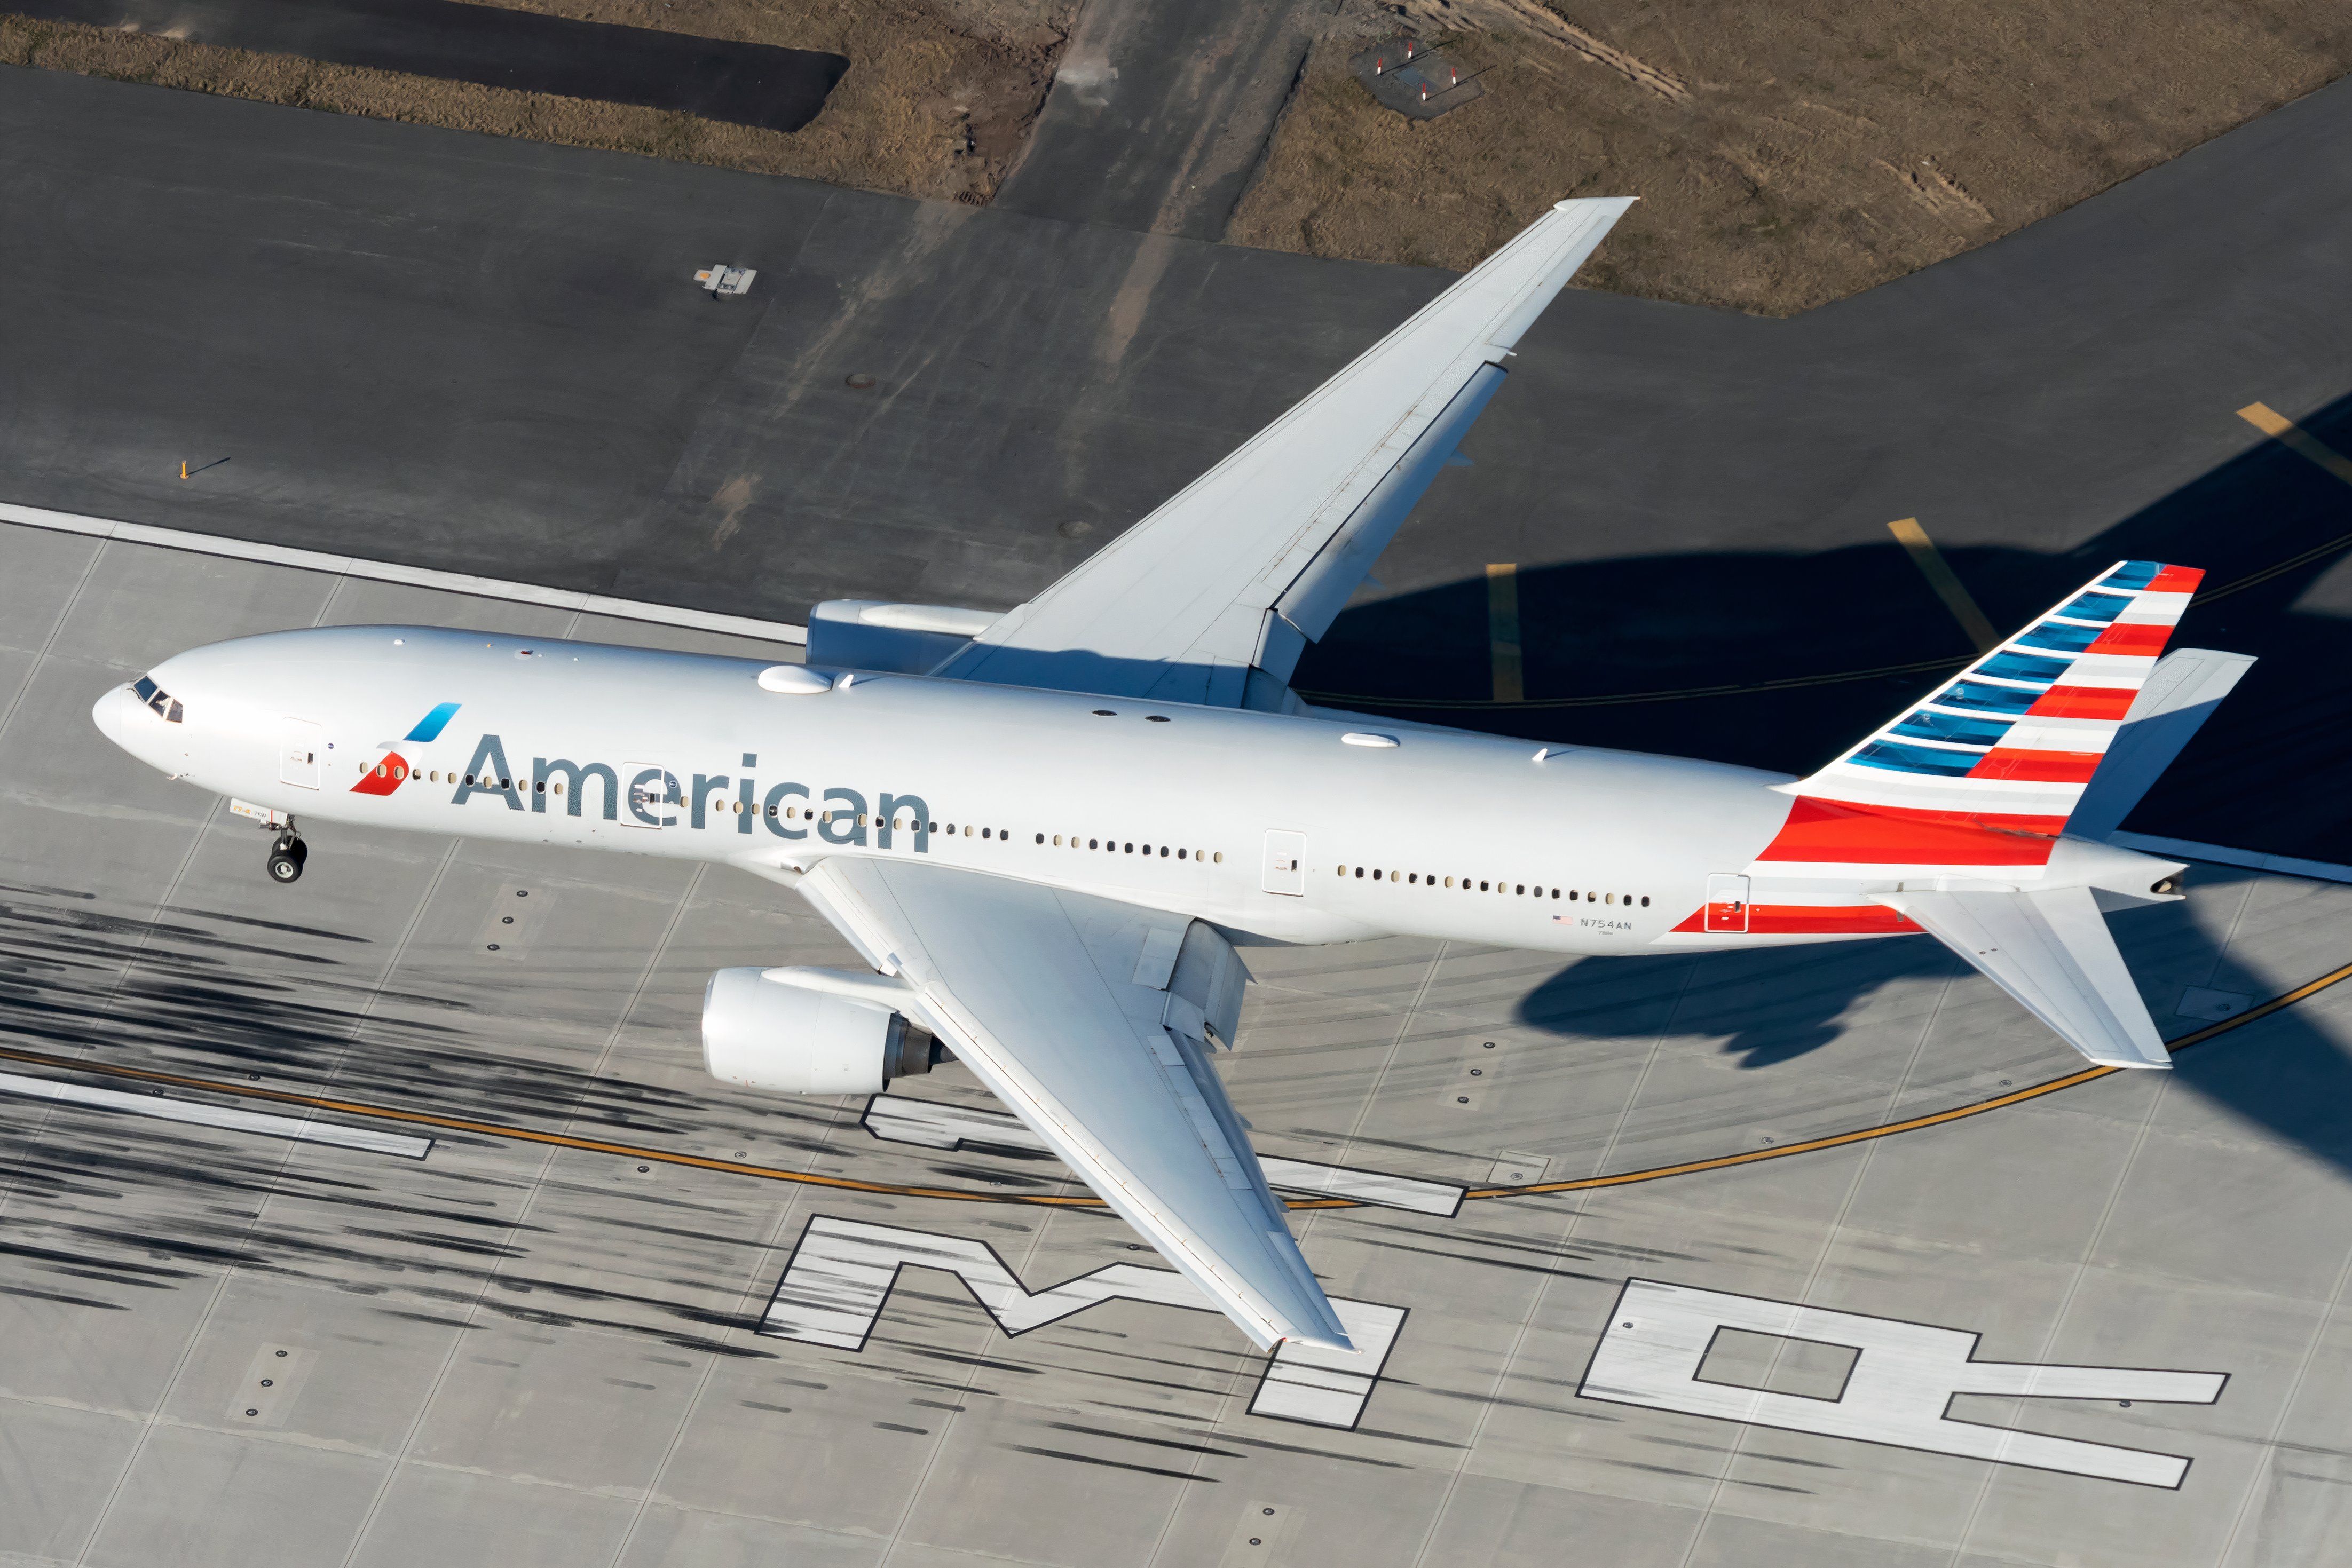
(1727, 903)
(301, 743)
(1286, 863)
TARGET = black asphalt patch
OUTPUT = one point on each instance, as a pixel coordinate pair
(741, 84)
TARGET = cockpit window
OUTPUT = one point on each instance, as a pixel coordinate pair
(162, 701)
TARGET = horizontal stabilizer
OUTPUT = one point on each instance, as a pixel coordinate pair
(2181, 694)
(2052, 950)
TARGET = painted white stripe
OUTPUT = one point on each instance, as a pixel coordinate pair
(1365, 1186)
(2188, 850)
(301, 1129)
(411, 576)
(939, 1124)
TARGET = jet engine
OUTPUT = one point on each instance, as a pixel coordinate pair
(766, 1033)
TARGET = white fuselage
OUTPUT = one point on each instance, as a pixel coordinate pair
(1443, 834)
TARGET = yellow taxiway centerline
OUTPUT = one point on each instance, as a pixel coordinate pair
(897, 1189)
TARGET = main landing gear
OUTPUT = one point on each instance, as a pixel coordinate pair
(285, 857)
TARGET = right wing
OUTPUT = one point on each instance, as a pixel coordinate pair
(1220, 588)
(2050, 949)
(1062, 1004)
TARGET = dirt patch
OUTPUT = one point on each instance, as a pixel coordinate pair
(937, 102)
(1785, 155)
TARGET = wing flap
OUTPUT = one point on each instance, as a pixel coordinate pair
(1034, 990)
(2052, 950)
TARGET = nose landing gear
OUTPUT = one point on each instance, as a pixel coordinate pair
(285, 857)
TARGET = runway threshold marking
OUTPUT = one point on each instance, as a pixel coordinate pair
(1039, 1200)
(1948, 587)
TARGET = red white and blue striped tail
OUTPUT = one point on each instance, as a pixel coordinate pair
(2011, 742)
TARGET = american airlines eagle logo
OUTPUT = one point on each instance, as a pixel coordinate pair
(392, 770)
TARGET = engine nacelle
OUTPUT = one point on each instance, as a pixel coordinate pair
(768, 1034)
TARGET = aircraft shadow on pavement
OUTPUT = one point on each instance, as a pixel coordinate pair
(1773, 1006)
(2268, 772)
(1678, 622)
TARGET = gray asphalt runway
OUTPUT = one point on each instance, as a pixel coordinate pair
(557, 1338)
(616, 1314)
(490, 356)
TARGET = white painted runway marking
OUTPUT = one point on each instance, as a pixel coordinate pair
(301, 1129)
(1904, 1377)
(413, 576)
(902, 1119)
(840, 1276)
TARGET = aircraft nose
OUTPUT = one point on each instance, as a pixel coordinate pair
(108, 712)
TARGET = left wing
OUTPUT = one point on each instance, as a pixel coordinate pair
(1059, 1003)
(1250, 562)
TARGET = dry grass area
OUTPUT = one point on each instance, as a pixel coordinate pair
(1787, 154)
(937, 102)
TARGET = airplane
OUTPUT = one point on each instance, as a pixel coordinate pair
(1048, 831)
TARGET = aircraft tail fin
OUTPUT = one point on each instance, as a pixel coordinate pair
(2011, 741)
(2181, 694)
(2050, 949)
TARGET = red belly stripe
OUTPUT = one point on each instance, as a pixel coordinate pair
(1813, 920)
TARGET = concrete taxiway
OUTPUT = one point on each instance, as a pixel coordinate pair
(610, 1311)
(425, 1249)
